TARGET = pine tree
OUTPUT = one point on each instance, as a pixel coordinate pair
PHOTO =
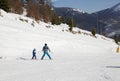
(56, 19)
(71, 23)
(93, 31)
(116, 39)
(4, 5)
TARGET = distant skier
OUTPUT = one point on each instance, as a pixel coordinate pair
(34, 54)
(45, 51)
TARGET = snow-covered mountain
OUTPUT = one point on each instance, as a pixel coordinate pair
(68, 10)
(111, 19)
(106, 21)
(78, 10)
(75, 57)
(116, 7)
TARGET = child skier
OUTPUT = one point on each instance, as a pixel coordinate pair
(34, 54)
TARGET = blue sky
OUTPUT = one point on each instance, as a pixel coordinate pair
(86, 5)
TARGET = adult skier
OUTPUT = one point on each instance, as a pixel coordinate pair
(45, 51)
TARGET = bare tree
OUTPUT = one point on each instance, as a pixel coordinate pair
(16, 6)
(33, 10)
(39, 9)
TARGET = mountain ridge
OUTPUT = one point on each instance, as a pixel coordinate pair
(116, 7)
(105, 21)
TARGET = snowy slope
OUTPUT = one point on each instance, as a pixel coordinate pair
(75, 57)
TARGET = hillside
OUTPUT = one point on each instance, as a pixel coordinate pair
(75, 57)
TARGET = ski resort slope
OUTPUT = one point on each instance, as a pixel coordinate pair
(75, 57)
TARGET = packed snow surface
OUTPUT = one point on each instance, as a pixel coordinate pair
(75, 57)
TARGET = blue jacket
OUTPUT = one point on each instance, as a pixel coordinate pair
(46, 49)
(34, 51)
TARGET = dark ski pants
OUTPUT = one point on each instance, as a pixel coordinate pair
(34, 56)
(45, 53)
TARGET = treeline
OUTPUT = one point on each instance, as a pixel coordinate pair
(37, 9)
